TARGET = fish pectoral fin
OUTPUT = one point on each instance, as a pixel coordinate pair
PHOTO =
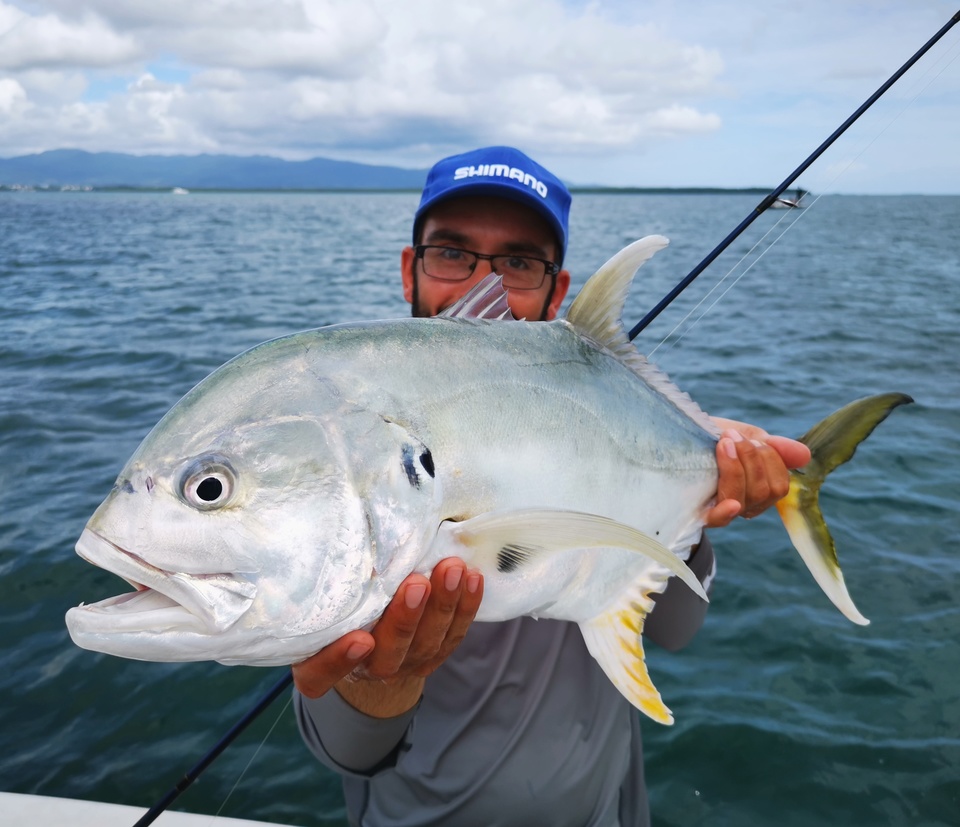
(506, 540)
(831, 442)
(614, 639)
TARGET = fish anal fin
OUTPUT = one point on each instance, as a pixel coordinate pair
(615, 640)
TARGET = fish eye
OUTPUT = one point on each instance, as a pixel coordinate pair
(208, 483)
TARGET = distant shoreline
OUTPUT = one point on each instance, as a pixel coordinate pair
(596, 190)
(73, 170)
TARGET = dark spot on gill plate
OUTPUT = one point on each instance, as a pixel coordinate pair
(409, 468)
(426, 460)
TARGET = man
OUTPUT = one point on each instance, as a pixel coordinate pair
(518, 725)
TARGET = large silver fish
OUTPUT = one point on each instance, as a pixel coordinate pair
(283, 500)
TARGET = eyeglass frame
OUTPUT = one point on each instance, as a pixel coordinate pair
(550, 268)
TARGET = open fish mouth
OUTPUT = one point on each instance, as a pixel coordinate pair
(204, 603)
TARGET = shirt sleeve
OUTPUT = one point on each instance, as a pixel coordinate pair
(345, 739)
(678, 613)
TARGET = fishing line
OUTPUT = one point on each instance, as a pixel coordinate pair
(253, 757)
(909, 98)
(947, 58)
(152, 814)
(724, 279)
(687, 280)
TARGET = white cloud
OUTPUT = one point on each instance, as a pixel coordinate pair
(326, 75)
(44, 41)
(602, 85)
(12, 95)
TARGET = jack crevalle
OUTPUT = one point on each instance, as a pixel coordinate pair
(283, 500)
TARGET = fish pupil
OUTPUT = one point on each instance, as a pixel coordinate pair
(210, 489)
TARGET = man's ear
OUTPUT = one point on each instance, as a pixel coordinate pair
(559, 294)
(408, 261)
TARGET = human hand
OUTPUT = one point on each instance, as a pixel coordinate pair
(381, 672)
(754, 470)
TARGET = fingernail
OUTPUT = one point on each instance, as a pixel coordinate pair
(452, 578)
(414, 594)
(358, 650)
(473, 583)
(736, 436)
(728, 447)
(756, 443)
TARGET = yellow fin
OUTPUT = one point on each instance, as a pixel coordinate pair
(615, 640)
(831, 442)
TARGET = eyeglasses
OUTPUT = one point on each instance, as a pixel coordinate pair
(454, 264)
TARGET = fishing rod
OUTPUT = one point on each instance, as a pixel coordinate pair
(775, 194)
(151, 815)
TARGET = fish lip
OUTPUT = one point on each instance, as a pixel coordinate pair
(216, 601)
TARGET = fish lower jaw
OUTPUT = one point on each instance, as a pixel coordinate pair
(145, 610)
(208, 604)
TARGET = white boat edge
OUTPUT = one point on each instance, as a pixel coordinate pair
(19, 808)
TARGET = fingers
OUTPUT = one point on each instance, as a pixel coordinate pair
(317, 675)
(455, 597)
(420, 628)
(425, 622)
(744, 429)
(732, 482)
(723, 513)
(794, 454)
(752, 473)
(396, 629)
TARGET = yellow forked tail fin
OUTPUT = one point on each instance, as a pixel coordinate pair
(832, 442)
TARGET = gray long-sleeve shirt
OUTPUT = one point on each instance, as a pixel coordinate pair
(518, 726)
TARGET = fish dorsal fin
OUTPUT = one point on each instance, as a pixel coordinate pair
(598, 309)
(615, 640)
(487, 299)
(597, 313)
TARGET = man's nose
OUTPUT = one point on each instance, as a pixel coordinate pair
(482, 269)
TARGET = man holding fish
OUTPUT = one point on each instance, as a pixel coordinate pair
(514, 723)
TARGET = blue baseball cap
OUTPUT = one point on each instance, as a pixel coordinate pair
(500, 171)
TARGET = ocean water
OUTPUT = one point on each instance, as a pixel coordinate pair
(112, 305)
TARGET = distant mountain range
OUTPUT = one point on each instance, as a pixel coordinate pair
(74, 168)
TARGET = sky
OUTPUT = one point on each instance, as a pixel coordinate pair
(620, 93)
